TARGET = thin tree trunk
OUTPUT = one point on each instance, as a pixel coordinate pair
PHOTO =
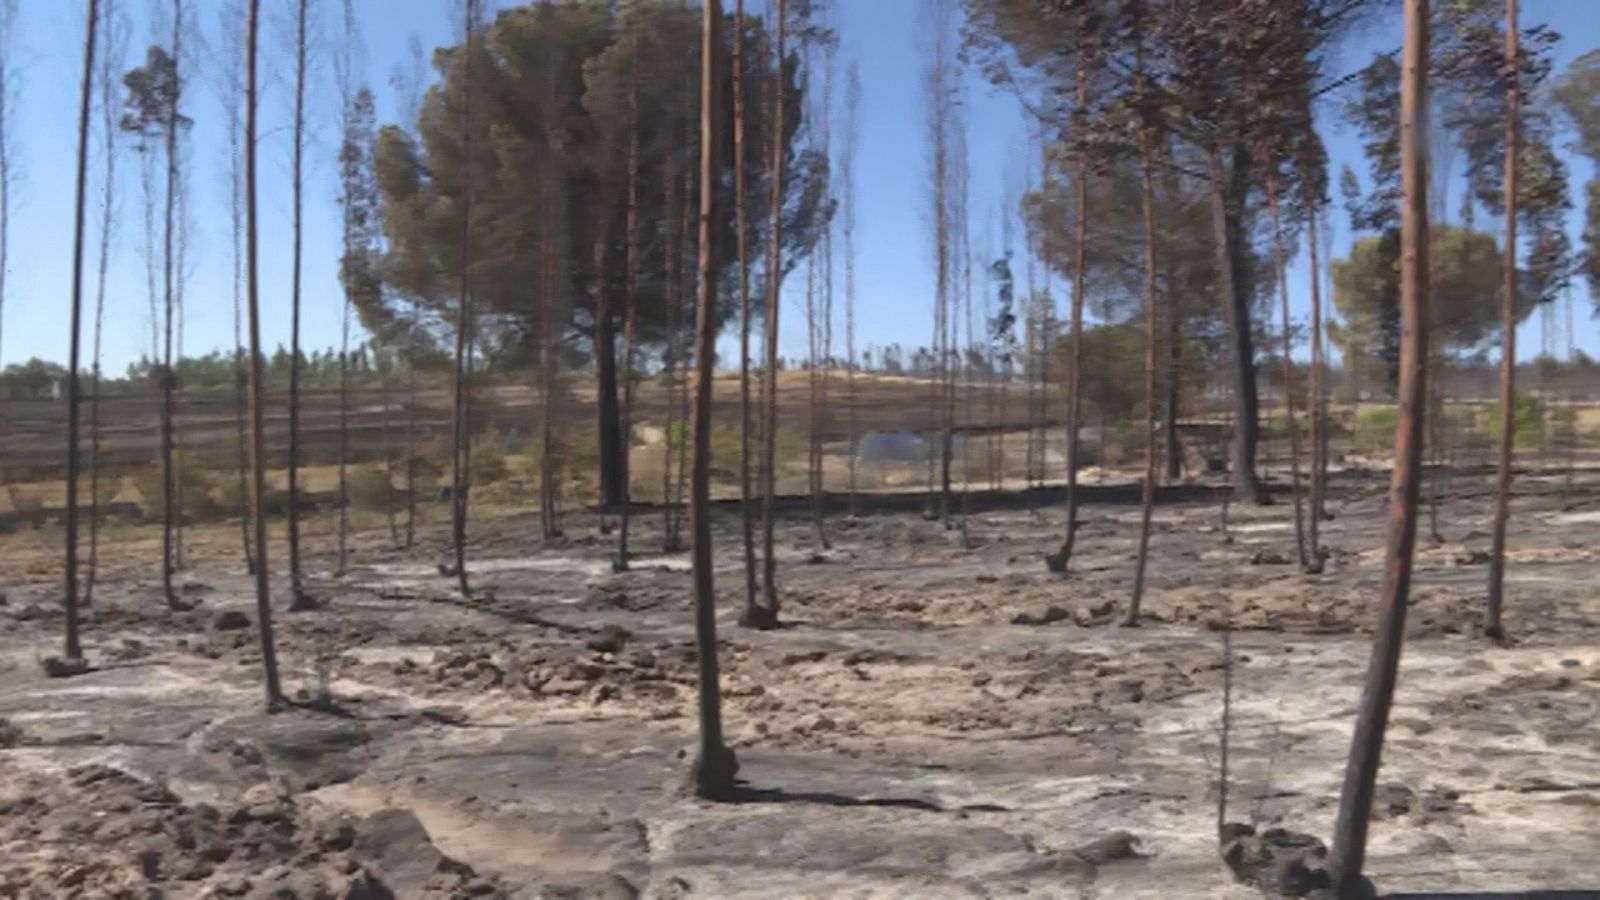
(1058, 561)
(412, 357)
(741, 230)
(299, 599)
(1236, 309)
(386, 373)
(1355, 800)
(768, 616)
(630, 301)
(686, 361)
(1319, 385)
(670, 251)
(1492, 628)
(107, 225)
(168, 374)
(1173, 452)
(1308, 558)
(72, 660)
(1147, 202)
(848, 179)
(716, 766)
(461, 449)
(258, 468)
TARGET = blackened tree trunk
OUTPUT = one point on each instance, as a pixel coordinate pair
(1308, 559)
(742, 233)
(1058, 561)
(168, 368)
(258, 467)
(847, 171)
(1236, 310)
(1319, 408)
(766, 616)
(630, 301)
(299, 599)
(1147, 203)
(670, 253)
(613, 446)
(107, 65)
(1366, 747)
(1493, 628)
(72, 660)
(715, 768)
(460, 442)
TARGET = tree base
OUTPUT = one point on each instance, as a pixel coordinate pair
(1056, 562)
(1131, 620)
(304, 602)
(760, 618)
(715, 778)
(64, 666)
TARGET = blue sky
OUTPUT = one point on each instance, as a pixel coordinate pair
(894, 262)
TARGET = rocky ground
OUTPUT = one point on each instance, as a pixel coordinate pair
(933, 721)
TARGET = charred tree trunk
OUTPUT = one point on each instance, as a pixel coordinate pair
(1058, 561)
(108, 123)
(715, 768)
(1147, 203)
(300, 600)
(742, 233)
(72, 660)
(460, 429)
(1366, 747)
(1319, 386)
(766, 616)
(258, 468)
(168, 371)
(613, 444)
(1492, 628)
(1236, 312)
(1309, 561)
(630, 303)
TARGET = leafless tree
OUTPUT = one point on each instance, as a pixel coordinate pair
(1147, 205)
(715, 767)
(300, 600)
(631, 295)
(1366, 747)
(1058, 561)
(258, 467)
(742, 237)
(847, 190)
(767, 615)
(8, 170)
(110, 58)
(460, 410)
(937, 95)
(72, 660)
(1307, 556)
(1493, 629)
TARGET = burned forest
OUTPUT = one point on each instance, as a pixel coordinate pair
(799, 448)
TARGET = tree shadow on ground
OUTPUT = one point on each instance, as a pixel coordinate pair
(746, 793)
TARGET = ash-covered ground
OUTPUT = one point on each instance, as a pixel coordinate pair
(931, 721)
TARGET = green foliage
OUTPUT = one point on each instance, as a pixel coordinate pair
(1466, 280)
(544, 158)
(1373, 429)
(488, 460)
(35, 379)
(1527, 420)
